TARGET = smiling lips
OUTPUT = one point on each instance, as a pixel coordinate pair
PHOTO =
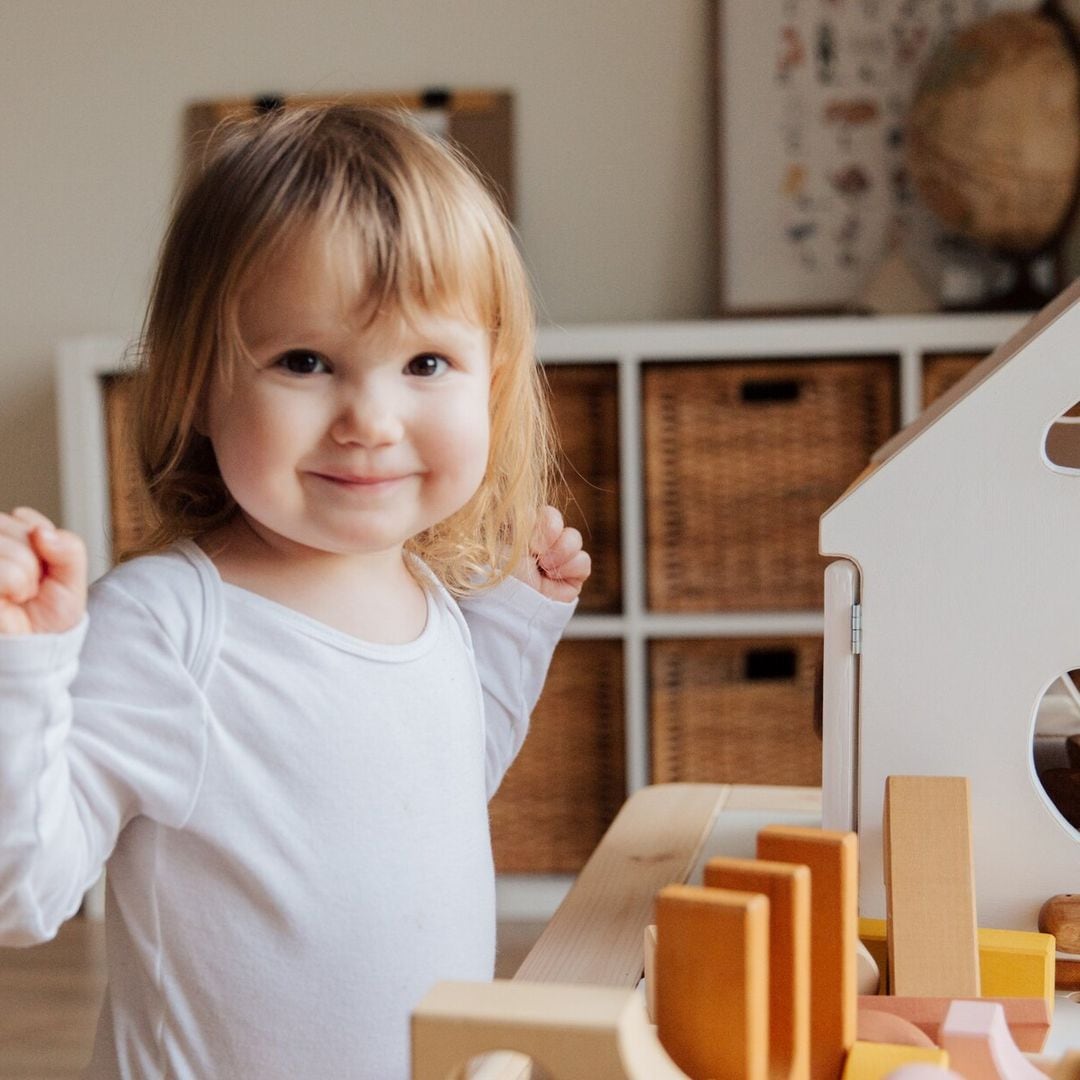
(350, 480)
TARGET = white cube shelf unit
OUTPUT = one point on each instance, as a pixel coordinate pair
(679, 433)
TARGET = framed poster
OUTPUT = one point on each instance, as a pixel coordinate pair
(812, 99)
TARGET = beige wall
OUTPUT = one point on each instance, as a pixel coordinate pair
(614, 152)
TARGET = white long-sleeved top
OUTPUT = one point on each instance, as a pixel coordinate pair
(295, 821)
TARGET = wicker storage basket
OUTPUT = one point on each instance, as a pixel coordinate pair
(129, 505)
(735, 711)
(941, 371)
(741, 459)
(584, 402)
(569, 781)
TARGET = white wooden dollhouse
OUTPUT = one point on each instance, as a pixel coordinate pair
(956, 606)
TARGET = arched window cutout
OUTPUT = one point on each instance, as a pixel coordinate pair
(1063, 441)
(1056, 747)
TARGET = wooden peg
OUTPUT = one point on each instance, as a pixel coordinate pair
(1060, 916)
(930, 887)
(788, 888)
(833, 861)
(712, 956)
(979, 1045)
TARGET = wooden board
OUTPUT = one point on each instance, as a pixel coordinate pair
(596, 936)
(712, 977)
(833, 861)
(787, 888)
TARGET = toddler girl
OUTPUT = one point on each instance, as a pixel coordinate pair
(280, 724)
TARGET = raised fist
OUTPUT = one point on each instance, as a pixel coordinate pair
(42, 575)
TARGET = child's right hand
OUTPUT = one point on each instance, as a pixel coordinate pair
(42, 575)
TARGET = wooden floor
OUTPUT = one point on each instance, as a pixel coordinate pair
(50, 995)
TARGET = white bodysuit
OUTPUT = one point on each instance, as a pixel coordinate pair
(295, 821)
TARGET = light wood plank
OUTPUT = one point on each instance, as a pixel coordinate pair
(933, 935)
(596, 936)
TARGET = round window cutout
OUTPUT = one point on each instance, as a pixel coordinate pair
(1063, 441)
(1056, 746)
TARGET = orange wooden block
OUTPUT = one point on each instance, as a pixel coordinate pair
(930, 887)
(788, 888)
(1028, 1018)
(712, 981)
(833, 861)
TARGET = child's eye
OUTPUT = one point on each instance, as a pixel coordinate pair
(302, 362)
(426, 364)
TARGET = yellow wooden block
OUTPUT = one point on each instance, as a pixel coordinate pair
(712, 982)
(788, 888)
(1017, 963)
(874, 1061)
(1012, 963)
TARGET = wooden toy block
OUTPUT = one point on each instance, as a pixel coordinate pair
(787, 887)
(1016, 963)
(833, 861)
(930, 887)
(654, 841)
(980, 1046)
(921, 1071)
(573, 1032)
(650, 972)
(875, 1061)
(1012, 963)
(875, 1026)
(712, 988)
(1028, 1019)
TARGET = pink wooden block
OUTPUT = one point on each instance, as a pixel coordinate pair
(980, 1046)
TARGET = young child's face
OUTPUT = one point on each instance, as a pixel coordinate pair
(347, 435)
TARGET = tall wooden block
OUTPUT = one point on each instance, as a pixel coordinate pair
(712, 981)
(787, 887)
(833, 861)
(930, 887)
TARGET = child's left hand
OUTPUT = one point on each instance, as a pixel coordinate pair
(556, 565)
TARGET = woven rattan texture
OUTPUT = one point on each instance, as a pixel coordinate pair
(584, 402)
(741, 459)
(942, 370)
(735, 711)
(569, 781)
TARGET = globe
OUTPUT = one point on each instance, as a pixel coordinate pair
(993, 132)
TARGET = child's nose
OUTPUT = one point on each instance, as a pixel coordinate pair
(368, 419)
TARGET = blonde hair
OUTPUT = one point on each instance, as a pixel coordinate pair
(429, 236)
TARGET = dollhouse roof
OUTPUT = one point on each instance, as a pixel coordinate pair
(1028, 342)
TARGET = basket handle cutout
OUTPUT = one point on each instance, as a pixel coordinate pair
(770, 664)
(770, 391)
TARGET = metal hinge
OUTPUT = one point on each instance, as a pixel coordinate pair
(856, 628)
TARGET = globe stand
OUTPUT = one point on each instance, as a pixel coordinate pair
(1035, 283)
